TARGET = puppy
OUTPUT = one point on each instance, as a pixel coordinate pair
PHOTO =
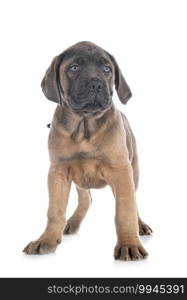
(91, 144)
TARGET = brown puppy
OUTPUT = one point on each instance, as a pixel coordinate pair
(91, 144)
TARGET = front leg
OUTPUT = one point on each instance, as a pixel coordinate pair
(128, 245)
(59, 187)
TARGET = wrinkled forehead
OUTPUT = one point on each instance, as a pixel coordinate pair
(85, 54)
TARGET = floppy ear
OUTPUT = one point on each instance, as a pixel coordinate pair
(50, 83)
(122, 88)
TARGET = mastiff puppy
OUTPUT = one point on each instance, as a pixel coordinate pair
(90, 143)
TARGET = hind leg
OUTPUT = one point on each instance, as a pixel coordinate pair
(84, 201)
(144, 229)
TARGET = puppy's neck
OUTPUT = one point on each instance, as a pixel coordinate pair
(81, 126)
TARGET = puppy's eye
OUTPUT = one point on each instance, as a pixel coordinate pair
(106, 69)
(74, 68)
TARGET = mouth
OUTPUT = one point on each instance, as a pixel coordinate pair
(90, 105)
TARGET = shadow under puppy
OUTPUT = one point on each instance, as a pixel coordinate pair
(90, 143)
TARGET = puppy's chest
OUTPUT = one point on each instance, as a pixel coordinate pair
(86, 169)
(88, 173)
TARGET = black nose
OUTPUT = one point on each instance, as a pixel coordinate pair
(95, 85)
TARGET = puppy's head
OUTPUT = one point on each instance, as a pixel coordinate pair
(83, 77)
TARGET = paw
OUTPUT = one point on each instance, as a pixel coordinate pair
(41, 246)
(71, 227)
(129, 252)
(144, 229)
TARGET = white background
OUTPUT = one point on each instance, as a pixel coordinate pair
(149, 40)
